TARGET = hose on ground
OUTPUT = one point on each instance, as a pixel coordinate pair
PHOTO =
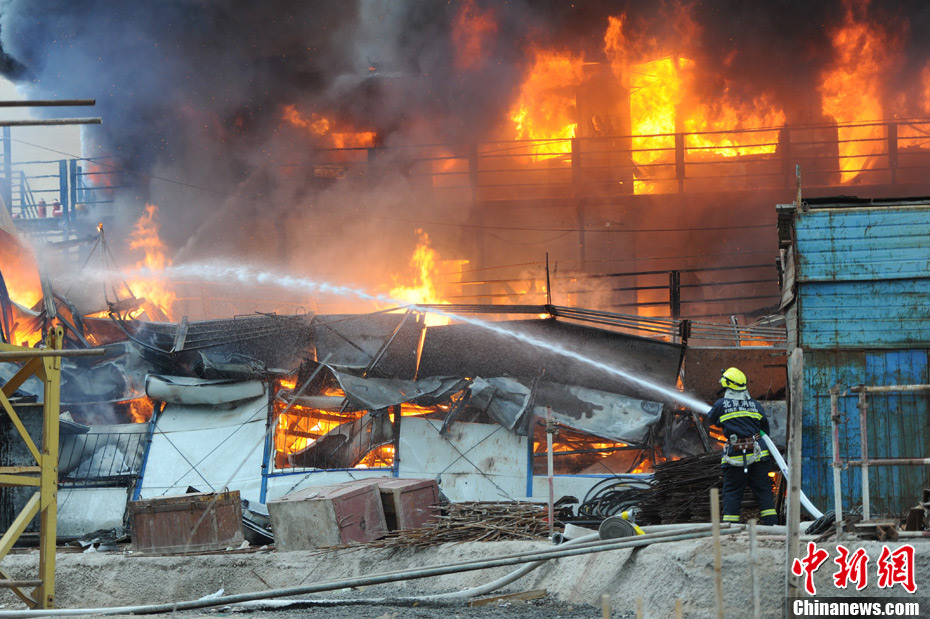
(612, 496)
(504, 580)
(373, 579)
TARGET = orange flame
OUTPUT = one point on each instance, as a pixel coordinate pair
(544, 109)
(380, 457)
(322, 128)
(655, 91)
(300, 426)
(423, 291)
(727, 116)
(851, 92)
(140, 410)
(470, 30)
(663, 103)
(145, 237)
(21, 276)
(20, 272)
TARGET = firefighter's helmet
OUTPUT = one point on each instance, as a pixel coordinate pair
(733, 379)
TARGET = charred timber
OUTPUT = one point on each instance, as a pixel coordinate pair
(48, 103)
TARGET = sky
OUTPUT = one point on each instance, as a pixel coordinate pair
(48, 143)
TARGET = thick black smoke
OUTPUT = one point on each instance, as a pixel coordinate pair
(192, 92)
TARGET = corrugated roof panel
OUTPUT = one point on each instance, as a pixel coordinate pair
(863, 318)
(863, 244)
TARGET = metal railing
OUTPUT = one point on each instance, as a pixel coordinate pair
(67, 181)
(110, 459)
(696, 293)
(832, 155)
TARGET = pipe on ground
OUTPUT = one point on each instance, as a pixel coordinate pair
(504, 580)
(584, 541)
(363, 581)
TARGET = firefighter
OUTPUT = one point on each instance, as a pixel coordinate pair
(745, 457)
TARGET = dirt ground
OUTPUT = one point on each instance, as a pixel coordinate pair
(654, 576)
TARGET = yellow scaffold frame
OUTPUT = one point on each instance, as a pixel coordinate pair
(46, 365)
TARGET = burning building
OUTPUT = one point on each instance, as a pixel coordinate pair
(266, 404)
(532, 158)
(623, 140)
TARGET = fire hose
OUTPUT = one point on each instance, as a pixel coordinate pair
(783, 467)
(813, 511)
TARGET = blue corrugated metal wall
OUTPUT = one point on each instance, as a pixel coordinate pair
(864, 319)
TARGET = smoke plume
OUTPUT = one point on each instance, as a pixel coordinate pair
(193, 97)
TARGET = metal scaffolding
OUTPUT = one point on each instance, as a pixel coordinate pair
(865, 461)
(46, 365)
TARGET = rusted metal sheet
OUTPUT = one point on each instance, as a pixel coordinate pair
(765, 369)
(868, 242)
(863, 274)
(187, 523)
(317, 517)
(851, 315)
(408, 503)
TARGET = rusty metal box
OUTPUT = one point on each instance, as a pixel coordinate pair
(408, 503)
(322, 516)
(187, 522)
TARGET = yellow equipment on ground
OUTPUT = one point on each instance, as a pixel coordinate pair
(46, 365)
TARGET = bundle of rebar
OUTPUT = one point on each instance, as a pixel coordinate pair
(681, 490)
(478, 521)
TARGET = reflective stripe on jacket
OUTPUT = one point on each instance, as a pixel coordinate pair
(739, 415)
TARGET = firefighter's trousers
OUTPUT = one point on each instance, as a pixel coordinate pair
(734, 482)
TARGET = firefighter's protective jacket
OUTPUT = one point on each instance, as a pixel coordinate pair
(740, 415)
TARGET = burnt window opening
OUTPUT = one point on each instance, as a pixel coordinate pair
(324, 431)
(576, 453)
